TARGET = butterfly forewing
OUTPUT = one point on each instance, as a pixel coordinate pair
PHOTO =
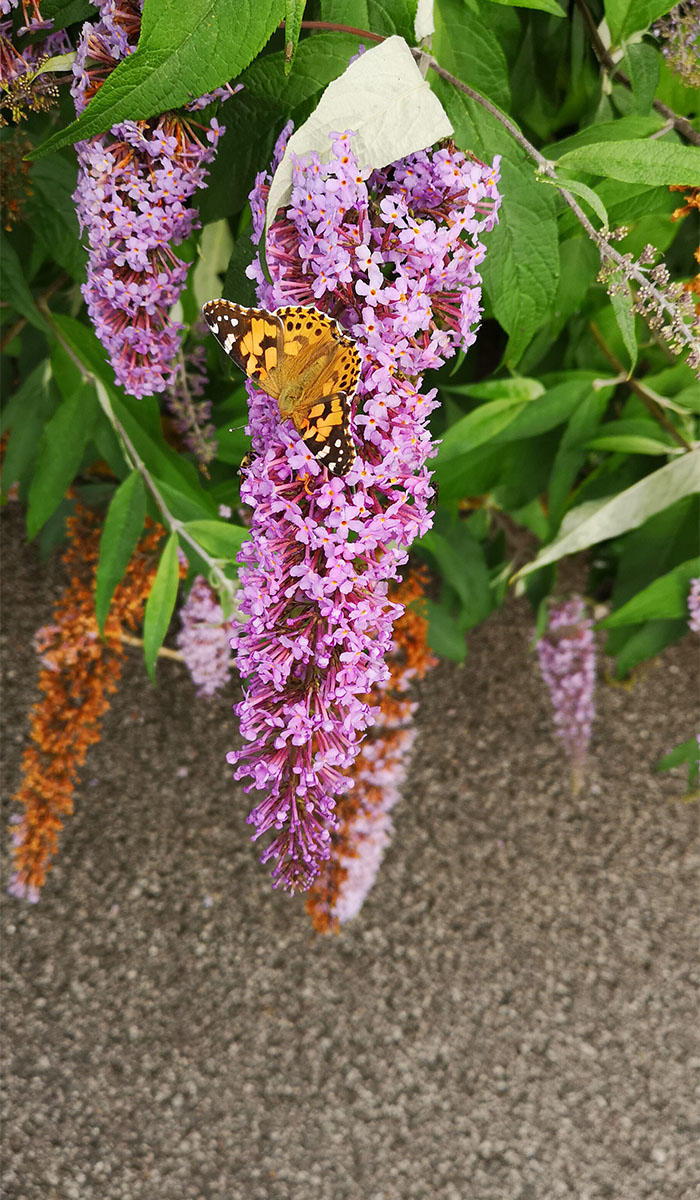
(304, 360)
(252, 337)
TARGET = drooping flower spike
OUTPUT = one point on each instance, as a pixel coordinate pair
(393, 256)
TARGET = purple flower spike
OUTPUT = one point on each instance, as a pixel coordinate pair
(134, 184)
(566, 654)
(393, 256)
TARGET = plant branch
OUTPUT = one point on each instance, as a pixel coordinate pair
(680, 124)
(645, 395)
(630, 270)
(332, 27)
(164, 651)
(226, 585)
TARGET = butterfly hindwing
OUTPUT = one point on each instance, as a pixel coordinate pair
(326, 432)
(303, 359)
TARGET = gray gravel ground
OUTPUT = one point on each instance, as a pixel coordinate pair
(513, 1015)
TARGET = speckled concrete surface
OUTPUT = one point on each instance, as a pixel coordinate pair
(513, 1015)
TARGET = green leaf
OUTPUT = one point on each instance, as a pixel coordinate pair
(621, 301)
(521, 268)
(548, 6)
(186, 48)
(666, 597)
(61, 451)
(237, 285)
(625, 128)
(479, 426)
(642, 63)
(572, 453)
(51, 213)
(254, 121)
(14, 289)
(598, 520)
(645, 642)
(584, 193)
(293, 12)
(218, 538)
(120, 533)
(688, 752)
(62, 13)
(461, 563)
(381, 16)
(384, 99)
(632, 443)
(25, 416)
(655, 163)
(465, 46)
(445, 637)
(160, 604)
(627, 16)
(551, 409)
(215, 246)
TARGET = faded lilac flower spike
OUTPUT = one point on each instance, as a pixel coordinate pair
(393, 256)
(566, 654)
(204, 639)
(694, 606)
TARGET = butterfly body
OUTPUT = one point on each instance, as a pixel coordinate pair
(303, 360)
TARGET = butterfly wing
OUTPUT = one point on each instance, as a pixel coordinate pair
(326, 431)
(311, 337)
(252, 337)
(302, 358)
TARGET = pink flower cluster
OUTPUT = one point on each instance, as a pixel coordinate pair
(393, 256)
(566, 655)
(204, 639)
(134, 184)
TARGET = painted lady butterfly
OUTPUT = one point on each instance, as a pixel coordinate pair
(304, 360)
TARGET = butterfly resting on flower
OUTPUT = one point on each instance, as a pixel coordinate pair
(303, 360)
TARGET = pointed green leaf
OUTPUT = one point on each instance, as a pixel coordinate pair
(445, 636)
(622, 307)
(381, 16)
(643, 63)
(293, 12)
(598, 520)
(25, 416)
(160, 604)
(548, 6)
(627, 16)
(653, 162)
(478, 427)
(688, 752)
(521, 268)
(61, 451)
(14, 289)
(218, 538)
(584, 193)
(465, 45)
(666, 597)
(122, 527)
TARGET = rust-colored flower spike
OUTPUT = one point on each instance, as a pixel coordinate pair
(691, 196)
(80, 670)
(364, 825)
